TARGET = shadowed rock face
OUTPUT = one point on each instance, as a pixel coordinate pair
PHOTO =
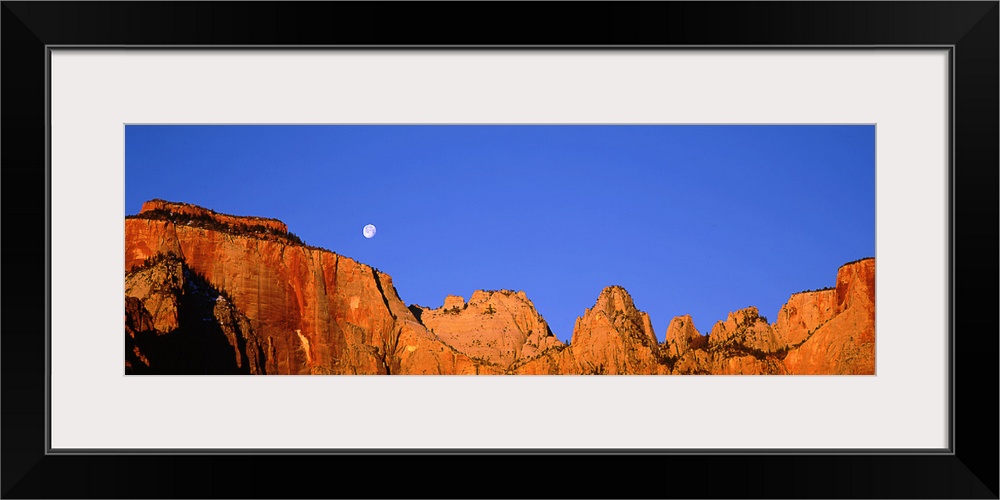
(177, 323)
(216, 293)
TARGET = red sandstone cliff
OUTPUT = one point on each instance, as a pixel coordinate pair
(250, 297)
(844, 343)
(802, 314)
(318, 312)
(196, 212)
(828, 332)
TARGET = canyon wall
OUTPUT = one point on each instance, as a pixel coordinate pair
(318, 312)
(256, 300)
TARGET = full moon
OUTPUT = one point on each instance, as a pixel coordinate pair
(368, 231)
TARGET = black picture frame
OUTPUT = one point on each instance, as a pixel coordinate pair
(969, 29)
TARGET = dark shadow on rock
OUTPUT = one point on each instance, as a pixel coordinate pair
(417, 311)
(199, 346)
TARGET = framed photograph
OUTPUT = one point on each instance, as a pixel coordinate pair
(337, 192)
(563, 232)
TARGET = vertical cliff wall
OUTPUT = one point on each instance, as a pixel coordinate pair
(318, 312)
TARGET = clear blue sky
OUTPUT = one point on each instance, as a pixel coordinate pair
(698, 220)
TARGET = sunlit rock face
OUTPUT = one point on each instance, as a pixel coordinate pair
(744, 331)
(825, 332)
(844, 343)
(217, 293)
(804, 312)
(315, 311)
(498, 327)
(613, 337)
(681, 336)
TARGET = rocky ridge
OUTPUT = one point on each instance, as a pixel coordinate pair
(255, 299)
(496, 327)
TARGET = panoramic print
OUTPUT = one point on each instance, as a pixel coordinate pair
(499, 250)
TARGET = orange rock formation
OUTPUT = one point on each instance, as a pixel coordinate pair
(682, 336)
(216, 293)
(802, 314)
(845, 342)
(496, 327)
(318, 312)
